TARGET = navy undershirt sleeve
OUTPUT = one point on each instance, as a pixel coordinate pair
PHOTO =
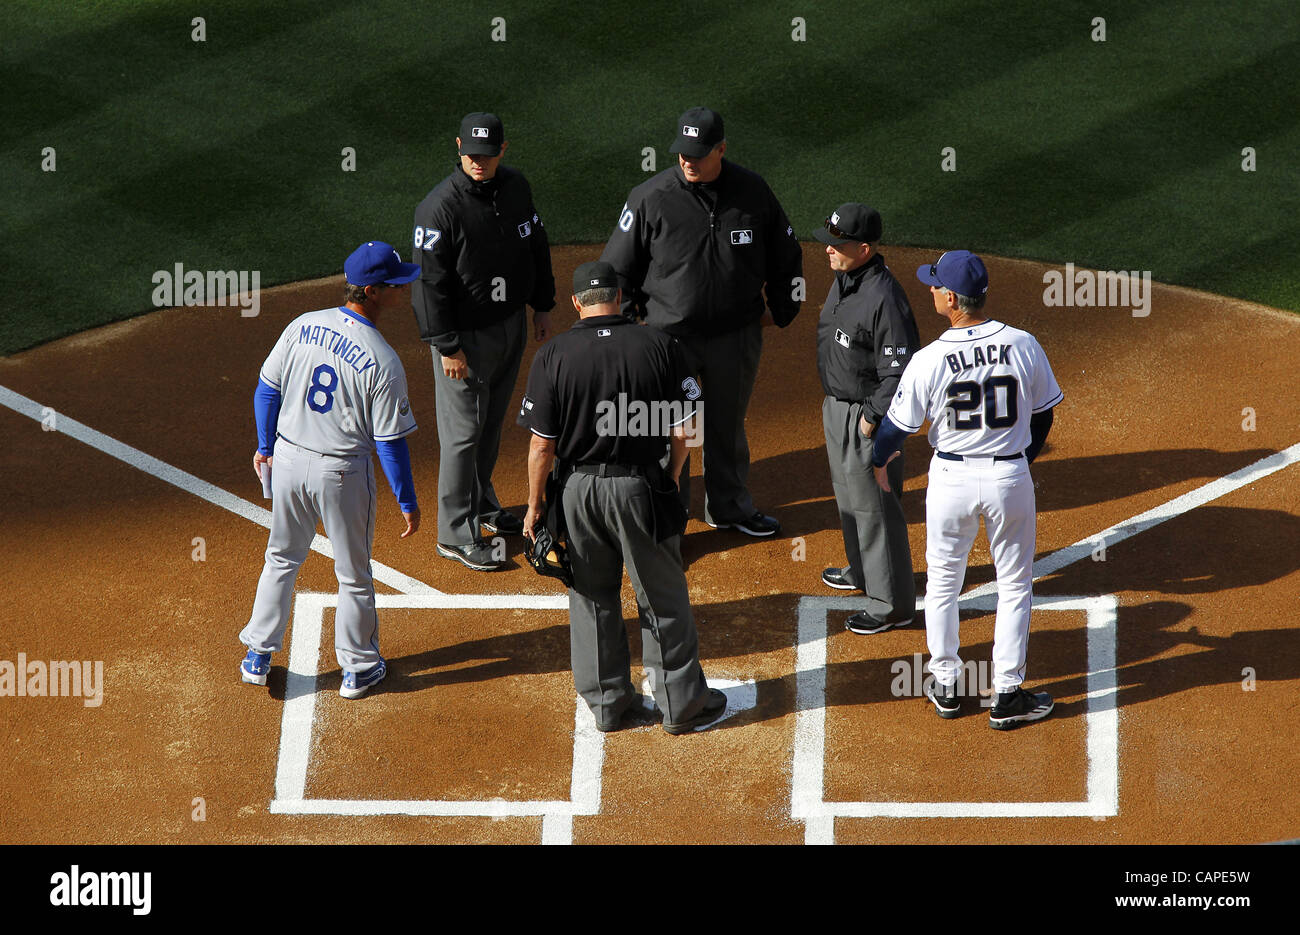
(266, 409)
(395, 458)
(888, 439)
(1040, 423)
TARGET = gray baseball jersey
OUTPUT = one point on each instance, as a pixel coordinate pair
(343, 388)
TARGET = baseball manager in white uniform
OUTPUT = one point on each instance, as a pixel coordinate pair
(330, 394)
(988, 392)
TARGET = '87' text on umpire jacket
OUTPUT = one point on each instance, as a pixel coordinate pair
(473, 240)
(865, 337)
(693, 258)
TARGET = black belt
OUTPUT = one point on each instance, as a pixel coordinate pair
(950, 457)
(611, 470)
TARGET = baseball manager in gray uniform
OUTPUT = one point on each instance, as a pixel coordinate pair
(608, 503)
(330, 394)
(483, 256)
(865, 337)
(694, 249)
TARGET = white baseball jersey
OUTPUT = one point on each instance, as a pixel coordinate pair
(341, 386)
(978, 387)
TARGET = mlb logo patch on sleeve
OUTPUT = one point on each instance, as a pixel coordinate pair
(525, 229)
(842, 339)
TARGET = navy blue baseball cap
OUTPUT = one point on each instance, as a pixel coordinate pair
(374, 262)
(958, 271)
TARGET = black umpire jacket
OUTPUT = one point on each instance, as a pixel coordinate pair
(865, 337)
(693, 258)
(468, 234)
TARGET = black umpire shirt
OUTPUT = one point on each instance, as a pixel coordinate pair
(693, 258)
(865, 337)
(609, 391)
(483, 254)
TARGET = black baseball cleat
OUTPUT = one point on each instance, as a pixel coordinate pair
(636, 714)
(947, 704)
(503, 523)
(477, 555)
(838, 578)
(713, 709)
(1018, 707)
(759, 526)
(865, 624)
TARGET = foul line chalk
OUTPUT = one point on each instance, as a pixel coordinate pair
(1051, 564)
(189, 483)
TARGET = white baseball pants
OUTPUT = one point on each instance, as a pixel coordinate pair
(960, 492)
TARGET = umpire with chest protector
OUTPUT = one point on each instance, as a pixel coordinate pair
(610, 399)
(865, 337)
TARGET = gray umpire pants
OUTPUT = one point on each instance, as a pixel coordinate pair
(609, 524)
(875, 532)
(340, 492)
(470, 415)
(727, 365)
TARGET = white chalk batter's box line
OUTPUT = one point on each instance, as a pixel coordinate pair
(1101, 723)
(300, 707)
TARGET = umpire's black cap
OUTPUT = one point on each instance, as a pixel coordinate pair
(849, 222)
(594, 275)
(481, 135)
(698, 131)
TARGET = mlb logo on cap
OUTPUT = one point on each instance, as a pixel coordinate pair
(595, 282)
(835, 217)
(690, 131)
(481, 134)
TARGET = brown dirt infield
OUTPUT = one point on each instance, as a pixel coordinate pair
(479, 705)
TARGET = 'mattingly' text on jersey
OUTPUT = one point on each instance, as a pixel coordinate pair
(983, 356)
(353, 354)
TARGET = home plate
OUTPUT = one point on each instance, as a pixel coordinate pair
(741, 696)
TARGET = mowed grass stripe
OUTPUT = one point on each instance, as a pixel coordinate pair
(225, 155)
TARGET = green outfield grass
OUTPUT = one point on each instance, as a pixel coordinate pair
(226, 154)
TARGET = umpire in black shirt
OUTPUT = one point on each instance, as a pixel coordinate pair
(610, 399)
(865, 337)
(694, 249)
(483, 255)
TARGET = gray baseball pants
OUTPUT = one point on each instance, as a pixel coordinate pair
(340, 492)
(875, 532)
(470, 415)
(727, 365)
(609, 524)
